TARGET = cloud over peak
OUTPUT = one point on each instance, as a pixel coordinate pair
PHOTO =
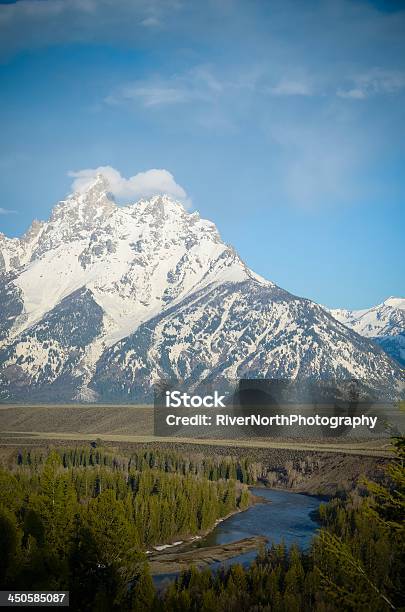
(143, 184)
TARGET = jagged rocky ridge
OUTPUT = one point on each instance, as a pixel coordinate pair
(102, 300)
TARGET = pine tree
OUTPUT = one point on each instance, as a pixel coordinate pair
(143, 592)
(115, 543)
(10, 537)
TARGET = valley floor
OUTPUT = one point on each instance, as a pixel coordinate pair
(134, 424)
(319, 468)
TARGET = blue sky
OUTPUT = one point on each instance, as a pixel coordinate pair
(281, 121)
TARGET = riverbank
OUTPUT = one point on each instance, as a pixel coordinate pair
(276, 516)
(189, 540)
(176, 561)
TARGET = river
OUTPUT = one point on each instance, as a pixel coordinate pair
(288, 517)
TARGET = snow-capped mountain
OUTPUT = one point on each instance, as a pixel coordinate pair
(101, 300)
(384, 323)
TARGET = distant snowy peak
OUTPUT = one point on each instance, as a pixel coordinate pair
(386, 319)
(384, 324)
(394, 302)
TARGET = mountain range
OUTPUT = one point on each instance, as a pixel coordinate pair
(102, 300)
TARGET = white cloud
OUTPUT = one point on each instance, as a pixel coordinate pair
(6, 211)
(143, 184)
(374, 82)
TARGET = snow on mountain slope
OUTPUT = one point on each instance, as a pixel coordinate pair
(384, 324)
(47, 356)
(241, 330)
(386, 319)
(135, 259)
(100, 298)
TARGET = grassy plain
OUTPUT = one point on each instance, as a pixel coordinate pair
(134, 424)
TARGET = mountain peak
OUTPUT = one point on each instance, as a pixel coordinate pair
(99, 185)
(384, 323)
(96, 192)
(160, 204)
(86, 205)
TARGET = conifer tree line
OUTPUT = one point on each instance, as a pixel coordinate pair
(80, 519)
(212, 468)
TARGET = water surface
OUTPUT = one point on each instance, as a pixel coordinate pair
(287, 517)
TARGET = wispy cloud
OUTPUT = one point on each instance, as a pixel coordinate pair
(372, 83)
(151, 22)
(292, 87)
(199, 83)
(7, 211)
(149, 94)
(203, 84)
